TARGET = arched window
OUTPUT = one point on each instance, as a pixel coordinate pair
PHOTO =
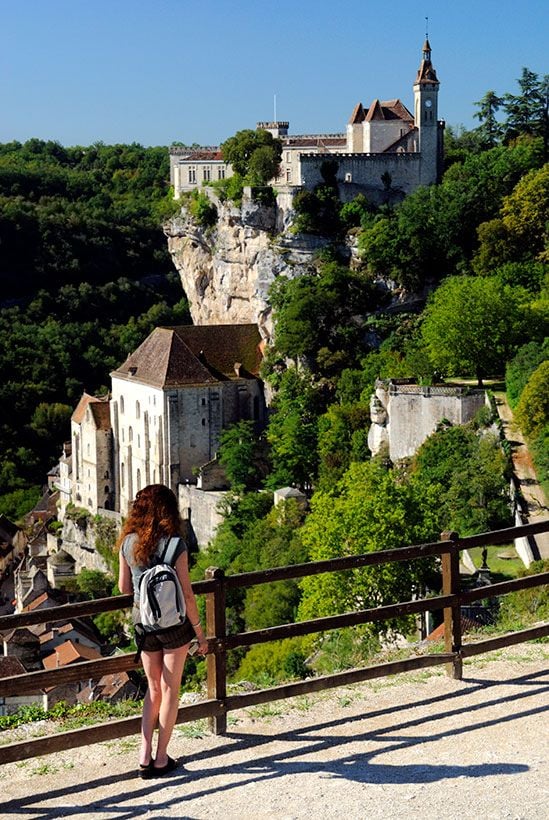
(122, 474)
(121, 405)
(130, 434)
(137, 410)
(138, 479)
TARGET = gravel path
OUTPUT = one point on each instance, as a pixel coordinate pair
(417, 745)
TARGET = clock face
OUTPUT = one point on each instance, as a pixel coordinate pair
(428, 103)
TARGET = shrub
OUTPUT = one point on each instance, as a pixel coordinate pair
(532, 413)
(202, 209)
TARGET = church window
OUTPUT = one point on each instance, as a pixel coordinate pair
(203, 402)
(106, 475)
(130, 434)
(192, 174)
(122, 474)
(137, 410)
(138, 440)
(121, 405)
(106, 491)
(348, 177)
(123, 435)
(203, 422)
(88, 449)
(138, 479)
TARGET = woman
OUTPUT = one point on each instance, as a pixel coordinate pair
(154, 518)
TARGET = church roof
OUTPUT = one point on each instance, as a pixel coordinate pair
(388, 110)
(192, 355)
(358, 114)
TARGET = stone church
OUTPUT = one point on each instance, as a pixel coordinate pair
(169, 402)
(384, 146)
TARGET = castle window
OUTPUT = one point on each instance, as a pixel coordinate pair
(288, 174)
(90, 502)
(88, 449)
(203, 422)
(221, 173)
(123, 435)
(138, 479)
(106, 489)
(192, 174)
(130, 434)
(207, 174)
(138, 440)
(137, 410)
(203, 402)
(122, 474)
(121, 405)
(106, 475)
(348, 177)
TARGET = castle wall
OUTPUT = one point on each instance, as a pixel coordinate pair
(364, 172)
(414, 413)
(202, 510)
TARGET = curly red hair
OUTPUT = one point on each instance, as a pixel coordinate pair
(154, 514)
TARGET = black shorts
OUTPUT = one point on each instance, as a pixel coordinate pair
(171, 638)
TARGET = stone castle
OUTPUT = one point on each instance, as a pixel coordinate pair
(384, 147)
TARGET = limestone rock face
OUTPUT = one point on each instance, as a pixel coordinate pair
(226, 271)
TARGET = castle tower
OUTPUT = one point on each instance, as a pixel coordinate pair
(426, 118)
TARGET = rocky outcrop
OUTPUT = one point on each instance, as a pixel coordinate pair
(226, 271)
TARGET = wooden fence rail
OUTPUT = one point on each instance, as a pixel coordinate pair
(215, 588)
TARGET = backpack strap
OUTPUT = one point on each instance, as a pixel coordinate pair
(168, 553)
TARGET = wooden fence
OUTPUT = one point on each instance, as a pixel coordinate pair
(219, 703)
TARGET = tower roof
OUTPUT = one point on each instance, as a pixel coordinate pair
(191, 355)
(426, 73)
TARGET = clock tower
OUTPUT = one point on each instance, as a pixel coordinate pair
(426, 118)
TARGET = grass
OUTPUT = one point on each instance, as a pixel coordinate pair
(501, 569)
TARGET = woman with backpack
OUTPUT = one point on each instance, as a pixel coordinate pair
(151, 531)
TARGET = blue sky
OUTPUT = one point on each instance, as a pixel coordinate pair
(155, 71)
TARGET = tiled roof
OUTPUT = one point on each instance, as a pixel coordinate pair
(202, 156)
(11, 666)
(70, 652)
(318, 141)
(388, 110)
(190, 355)
(37, 602)
(82, 406)
(358, 114)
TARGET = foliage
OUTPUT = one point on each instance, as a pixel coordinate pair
(275, 662)
(525, 607)
(238, 454)
(58, 345)
(433, 232)
(202, 209)
(522, 365)
(254, 155)
(472, 325)
(532, 413)
(79, 714)
(520, 233)
(315, 316)
(17, 503)
(527, 112)
(466, 475)
(292, 432)
(106, 533)
(81, 214)
(95, 584)
(342, 439)
(489, 130)
(372, 508)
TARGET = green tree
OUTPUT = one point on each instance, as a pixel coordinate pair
(472, 325)
(372, 509)
(528, 111)
(490, 129)
(238, 454)
(254, 155)
(532, 413)
(520, 368)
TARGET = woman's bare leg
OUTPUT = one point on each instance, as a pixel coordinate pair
(152, 666)
(170, 681)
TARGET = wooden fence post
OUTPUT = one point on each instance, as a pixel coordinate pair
(217, 660)
(452, 614)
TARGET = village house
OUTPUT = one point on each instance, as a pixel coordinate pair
(384, 146)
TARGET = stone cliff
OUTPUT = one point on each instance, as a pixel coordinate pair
(226, 271)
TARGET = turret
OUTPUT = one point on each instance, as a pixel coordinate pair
(426, 117)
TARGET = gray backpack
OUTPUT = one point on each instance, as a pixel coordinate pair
(161, 599)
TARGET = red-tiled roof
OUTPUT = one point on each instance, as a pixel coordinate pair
(202, 156)
(69, 652)
(388, 110)
(358, 114)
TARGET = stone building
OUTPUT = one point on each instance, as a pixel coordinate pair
(172, 398)
(91, 455)
(384, 147)
(404, 414)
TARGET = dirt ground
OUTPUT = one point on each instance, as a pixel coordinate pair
(416, 745)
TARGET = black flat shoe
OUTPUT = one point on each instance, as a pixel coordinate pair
(145, 771)
(159, 771)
